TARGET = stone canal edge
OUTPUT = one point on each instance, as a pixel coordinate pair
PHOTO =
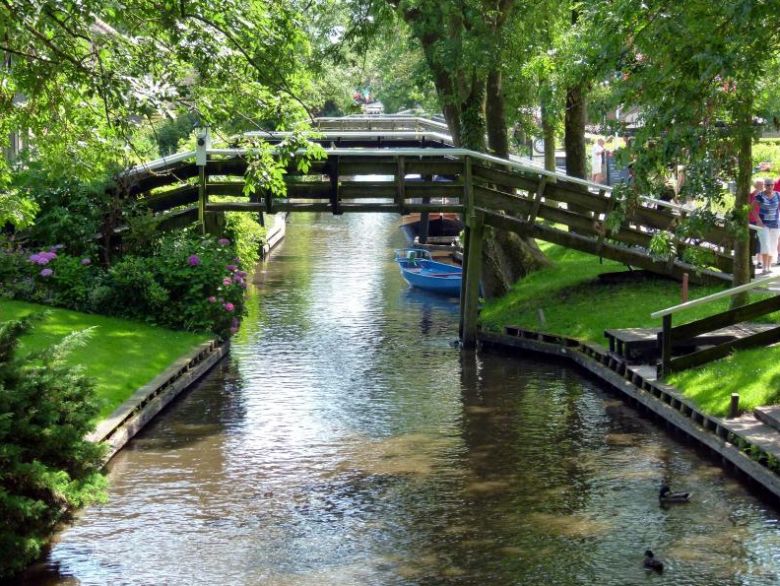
(754, 461)
(132, 415)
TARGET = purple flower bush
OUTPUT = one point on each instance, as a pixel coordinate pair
(185, 282)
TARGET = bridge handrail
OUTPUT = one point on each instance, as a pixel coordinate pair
(157, 163)
(360, 134)
(715, 296)
(414, 119)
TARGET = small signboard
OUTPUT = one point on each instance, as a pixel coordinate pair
(615, 174)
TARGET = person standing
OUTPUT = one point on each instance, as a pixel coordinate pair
(768, 211)
(758, 187)
(597, 161)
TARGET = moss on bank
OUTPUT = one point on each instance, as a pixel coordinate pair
(121, 355)
(576, 304)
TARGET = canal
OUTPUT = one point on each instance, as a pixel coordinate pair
(346, 441)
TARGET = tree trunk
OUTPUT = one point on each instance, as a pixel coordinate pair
(574, 132)
(548, 134)
(495, 114)
(742, 252)
(506, 257)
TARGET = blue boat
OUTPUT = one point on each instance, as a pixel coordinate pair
(419, 270)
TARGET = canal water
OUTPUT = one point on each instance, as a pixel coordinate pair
(346, 441)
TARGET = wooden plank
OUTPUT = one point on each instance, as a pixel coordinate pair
(764, 338)
(160, 177)
(485, 175)
(537, 199)
(171, 199)
(725, 318)
(368, 189)
(177, 219)
(434, 167)
(225, 188)
(590, 245)
(433, 189)
(498, 200)
(235, 206)
(309, 189)
(351, 166)
(232, 166)
(577, 195)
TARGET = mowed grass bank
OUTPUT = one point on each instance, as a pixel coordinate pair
(576, 304)
(120, 355)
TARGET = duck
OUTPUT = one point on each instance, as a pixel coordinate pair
(652, 563)
(665, 495)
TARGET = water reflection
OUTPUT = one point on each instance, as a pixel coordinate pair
(347, 442)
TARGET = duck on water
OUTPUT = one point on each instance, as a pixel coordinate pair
(666, 496)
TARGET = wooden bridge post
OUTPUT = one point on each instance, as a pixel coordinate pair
(472, 274)
(203, 143)
(424, 218)
(472, 262)
(665, 337)
(400, 184)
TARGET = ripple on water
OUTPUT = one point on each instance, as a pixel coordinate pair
(346, 442)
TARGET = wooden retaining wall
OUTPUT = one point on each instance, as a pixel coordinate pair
(663, 400)
(132, 415)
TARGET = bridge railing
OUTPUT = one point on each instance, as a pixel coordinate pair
(511, 194)
(672, 337)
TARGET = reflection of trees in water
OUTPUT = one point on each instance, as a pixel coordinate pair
(522, 428)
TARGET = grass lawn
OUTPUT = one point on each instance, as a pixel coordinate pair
(577, 305)
(120, 356)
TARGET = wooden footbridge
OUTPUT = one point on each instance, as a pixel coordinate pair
(403, 165)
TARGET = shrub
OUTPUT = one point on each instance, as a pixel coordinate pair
(46, 467)
(186, 282)
(70, 212)
(247, 235)
(190, 282)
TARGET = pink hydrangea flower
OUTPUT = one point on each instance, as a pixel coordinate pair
(223, 241)
(226, 281)
(46, 272)
(229, 306)
(212, 299)
(193, 260)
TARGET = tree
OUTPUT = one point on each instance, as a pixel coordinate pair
(693, 69)
(461, 40)
(46, 465)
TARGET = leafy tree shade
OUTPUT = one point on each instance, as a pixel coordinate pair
(694, 69)
(46, 466)
(461, 40)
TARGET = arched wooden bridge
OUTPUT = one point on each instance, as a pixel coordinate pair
(388, 164)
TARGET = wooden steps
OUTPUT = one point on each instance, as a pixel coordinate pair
(641, 344)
